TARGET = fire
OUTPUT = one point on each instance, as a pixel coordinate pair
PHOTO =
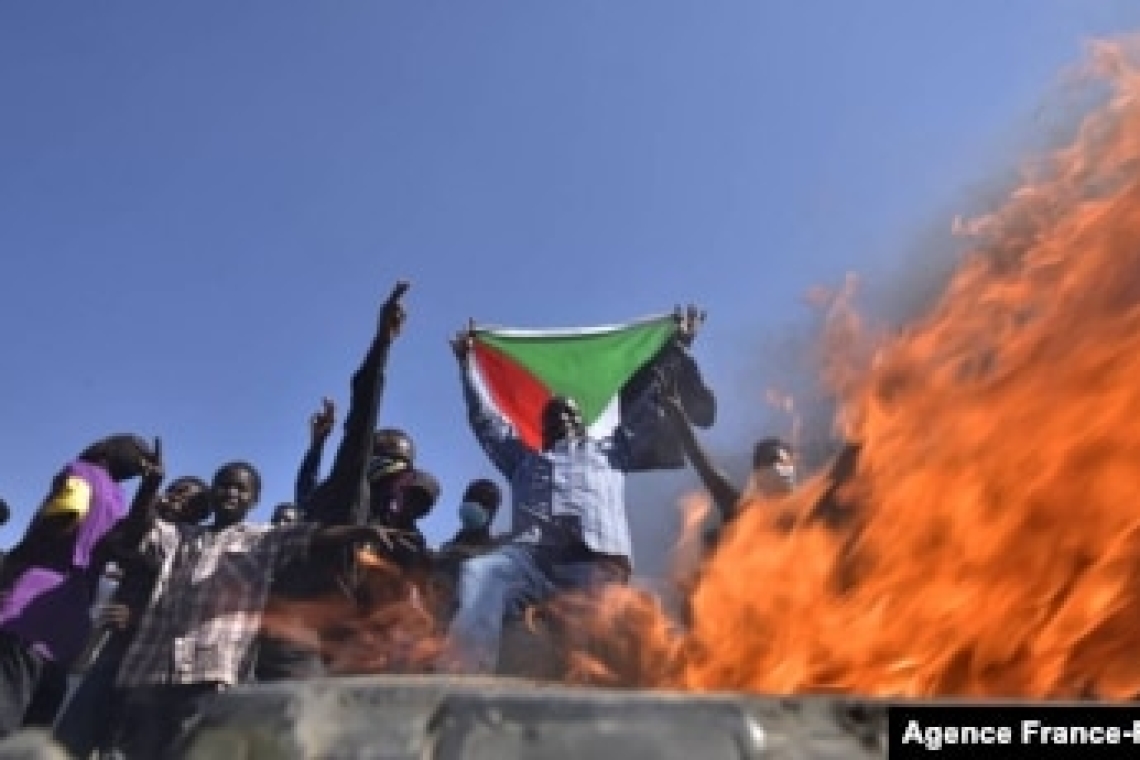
(622, 636)
(385, 626)
(985, 541)
(996, 550)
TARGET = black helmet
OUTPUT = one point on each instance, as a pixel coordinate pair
(393, 443)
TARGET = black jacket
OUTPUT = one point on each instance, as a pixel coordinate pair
(697, 399)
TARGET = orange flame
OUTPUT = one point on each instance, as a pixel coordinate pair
(986, 542)
(388, 625)
(997, 551)
(619, 636)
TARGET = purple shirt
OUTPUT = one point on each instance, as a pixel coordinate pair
(49, 602)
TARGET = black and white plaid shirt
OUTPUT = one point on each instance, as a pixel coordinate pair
(206, 607)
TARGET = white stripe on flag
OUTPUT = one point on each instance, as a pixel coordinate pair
(608, 420)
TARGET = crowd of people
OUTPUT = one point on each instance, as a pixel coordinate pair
(196, 584)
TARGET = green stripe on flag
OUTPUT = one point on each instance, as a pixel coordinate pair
(591, 366)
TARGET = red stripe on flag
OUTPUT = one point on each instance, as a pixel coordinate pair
(518, 394)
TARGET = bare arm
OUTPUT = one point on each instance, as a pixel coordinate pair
(725, 495)
(123, 542)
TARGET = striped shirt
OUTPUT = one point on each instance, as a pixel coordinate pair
(206, 606)
(575, 493)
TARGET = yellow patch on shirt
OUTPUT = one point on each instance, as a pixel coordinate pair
(71, 497)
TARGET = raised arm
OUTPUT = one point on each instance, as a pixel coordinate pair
(697, 401)
(335, 499)
(498, 437)
(124, 541)
(724, 494)
(309, 473)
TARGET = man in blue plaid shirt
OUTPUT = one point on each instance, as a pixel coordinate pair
(570, 528)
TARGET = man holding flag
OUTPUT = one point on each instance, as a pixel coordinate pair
(547, 409)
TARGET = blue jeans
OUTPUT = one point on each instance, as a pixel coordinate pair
(502, 584)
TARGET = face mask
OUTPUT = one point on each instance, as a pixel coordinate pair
(473, 516)
(787, 471)
(774, 481)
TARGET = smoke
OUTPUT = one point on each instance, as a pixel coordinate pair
(785, 369)
(653, 505)
(787, 363)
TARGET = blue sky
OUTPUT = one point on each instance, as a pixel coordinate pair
(204, 203)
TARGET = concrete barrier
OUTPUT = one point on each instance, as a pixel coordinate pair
(406, 718)
(438, 718)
